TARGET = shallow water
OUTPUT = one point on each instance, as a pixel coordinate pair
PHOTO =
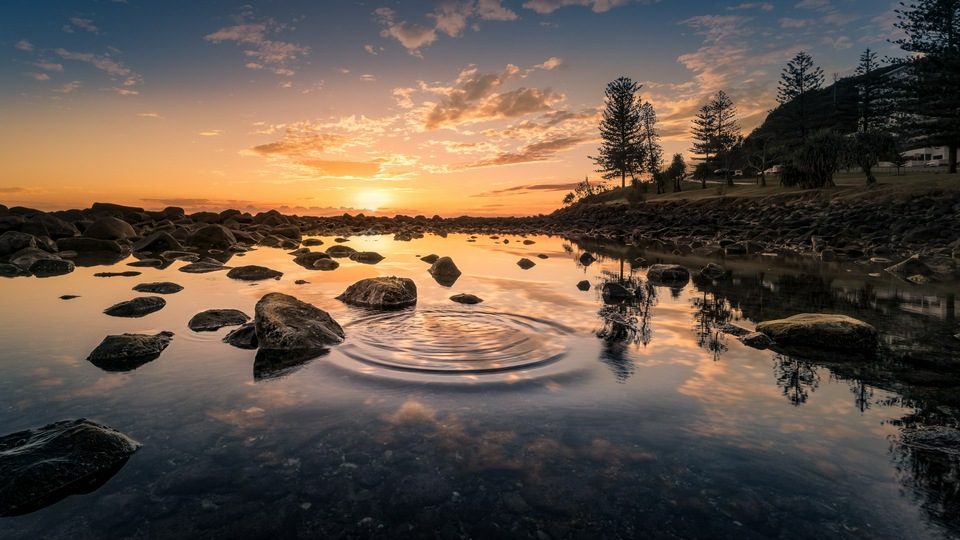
(529, 415)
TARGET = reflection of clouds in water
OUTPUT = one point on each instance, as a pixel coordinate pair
(543, 292)
(240, 418)
(101, 387)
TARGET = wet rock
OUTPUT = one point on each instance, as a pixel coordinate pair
(300, 282)
(614, 293)
(109, 228)
(158, 287)
(127, 273)
(340, 251)
(930, 267)
(179, 255)
(733, 330)
(466, 298)
(310, 242)
(366, 257)
(215, 319)
(91, 245)
(244, 337)
(713, 271)
(126, 352)
(757, 340)
(138, 307)
(381, 292)
(9, 270)
(444, 271)
(309, 259)
(528, 242)
(430, 259)
(821, 330)
(14, 241)
(587, 259)
(526, 263)
(69, 296)
(158, 242)
(583, 285)
(668, 275)
(50, 226)
(253, 273)
(26, 257)
(326, 265)
(214, 236)
(39, 467)
(51, 267)
(203, 266)
(285, 323)
(542, 256)
(147, 263)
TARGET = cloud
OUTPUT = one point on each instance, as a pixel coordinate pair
(298, 145)
(38, 76)
(539, 151)
(366, 77)
(49, 66)
(546, 7)
(14, 189)
(69, 87)
(24, 45)
(567, 186)
(789, 22)
(126, 92)
(450, 17)
(370, 49)
(211, 133)
(552, 63)
(763, 6)
(813, 4)
(150, 115)
(103, 63)
(84, 24)
(266, 53)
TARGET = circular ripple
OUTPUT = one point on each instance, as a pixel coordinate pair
(447, 342)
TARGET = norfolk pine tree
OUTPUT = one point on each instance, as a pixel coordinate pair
(797, 80)
(716, 132)
(621, 152)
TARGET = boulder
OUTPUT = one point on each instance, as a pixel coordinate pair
(326, 264)
(51, 267)
(138, 307)
(668, 275)
(109, 228)
(213, 236)
(14, 241)
(526, 263)
(39, 467)
(90, 245)
(309, 259)
(340, 251)
(215, 319)
(821, 330)
(713, 271)
(25, 258)
(244, 337)
(430, 259)
(127, 352)
(465, 298)
(50, 226)
(253, 273)
(381, 292)
(310, 242)
(284, 323)
(159, 287)
(445, 267)
(366, 257)
(158, 242)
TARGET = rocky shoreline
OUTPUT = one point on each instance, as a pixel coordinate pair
(815, 223)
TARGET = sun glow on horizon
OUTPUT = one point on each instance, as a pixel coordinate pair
(372, 199)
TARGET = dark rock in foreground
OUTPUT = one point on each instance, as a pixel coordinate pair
(138, 307)
(215, 319)
(253, 273)
(668, 275)
(126, 352)
(381, 292)
(159, 287)
(466, 298)
(244, 337)
(39, 467)
(821, 330)
(287, 324)
(444, 271)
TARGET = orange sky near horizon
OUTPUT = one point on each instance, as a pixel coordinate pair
(480, 107)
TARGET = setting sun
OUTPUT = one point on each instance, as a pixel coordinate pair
(372, 199)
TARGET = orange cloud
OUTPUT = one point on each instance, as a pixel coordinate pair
(345, 169)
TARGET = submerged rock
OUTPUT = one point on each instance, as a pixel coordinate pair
(39, 467)
(285, 323)
(159, 287)
(466, 298)
(253, 273)
(138, 307)
(215, 319)
(326, 265)
(381, 292)
(203, 266)
(587, 259)
(309, 259)
(821, 330)
(668, 275)
(126, 352)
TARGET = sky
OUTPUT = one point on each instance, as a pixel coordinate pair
(325, 107)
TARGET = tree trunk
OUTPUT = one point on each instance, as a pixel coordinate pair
(952, 158)
(623, 179)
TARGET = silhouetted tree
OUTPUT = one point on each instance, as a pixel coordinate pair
(583, 190)
(929, 93)
(798, 79)
(676, 171)
(622, 152)
(716, 132)
(650, 139)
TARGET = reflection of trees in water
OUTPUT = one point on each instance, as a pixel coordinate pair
(710, 312)
(626, 321)
(797, 378)
(927, 458)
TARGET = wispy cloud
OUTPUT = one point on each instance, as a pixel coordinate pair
(103, 63)
(528, 188)
(24, 45)
(274, 55)
(83, 24)
(38, 76)
(151, 115)
(763, 6)
(69, 87)
(451, 17)
(597, 6)
(211, 133)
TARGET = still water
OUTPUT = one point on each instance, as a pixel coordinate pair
(529, 415)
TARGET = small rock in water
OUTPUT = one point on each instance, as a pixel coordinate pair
(528, 242)
(757, 340)
(203, 266)
(340, 251)
(300, 282)
(128, 273)
(542, 256)
(444, 271)
(138, 307)
(430, 259)
(215, 319)
(614, 293)
(326, 265)
(466, 298)
(587, 259)
(244, 337)
(668, 275)
(713, 271)
(366, 257)
(69, 296)
(253, 272)
(126, 352)
(158, 287)
(526, 263)
(381, 292)
(146, 263)
(583, 285)
(821, 330)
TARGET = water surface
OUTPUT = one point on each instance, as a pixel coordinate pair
(541, 412)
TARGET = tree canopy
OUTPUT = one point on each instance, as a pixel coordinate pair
(622, 151)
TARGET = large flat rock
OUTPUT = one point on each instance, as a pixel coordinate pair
(821, 330)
